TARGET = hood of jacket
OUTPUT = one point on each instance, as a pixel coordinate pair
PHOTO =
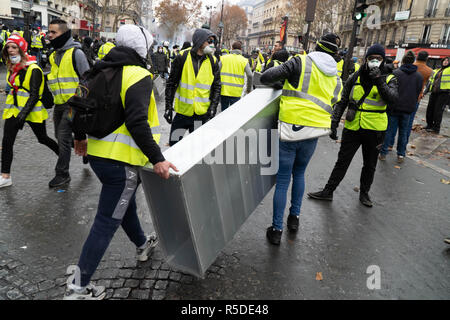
(408, 68)
(136, 38)
(200, 36)
(324, 62)
(118, 57)
(70, 44)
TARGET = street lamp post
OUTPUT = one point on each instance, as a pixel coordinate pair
(221, 26)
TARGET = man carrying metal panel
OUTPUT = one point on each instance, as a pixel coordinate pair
(311, 88)
(194, 84)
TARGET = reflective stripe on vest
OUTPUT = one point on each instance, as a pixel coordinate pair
(105, 49)
(193, 92)
(120, 145)
(371, 115)
(36, 42)
(38, 114)
(63, 79)
(232, 74)
(311, 103)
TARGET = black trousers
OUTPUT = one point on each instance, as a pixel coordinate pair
(435, 109)
(371, 142)
(10, 131)
(181, 123)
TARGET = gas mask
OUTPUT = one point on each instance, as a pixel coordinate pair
(209, 49)
(15, 59)
(374, 63)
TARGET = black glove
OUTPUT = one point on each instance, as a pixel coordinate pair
(334, 126)
(375, 74)
(211, 112)
(168, 115)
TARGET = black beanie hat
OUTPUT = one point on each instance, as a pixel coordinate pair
(329, 43)
(377, 49)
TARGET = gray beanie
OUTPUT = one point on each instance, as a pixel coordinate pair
(200, 36)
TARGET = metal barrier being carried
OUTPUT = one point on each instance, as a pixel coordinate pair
(226, 168)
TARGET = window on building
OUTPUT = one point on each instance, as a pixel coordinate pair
(426, 33)
(384, 37)
(394, 34)
(377, 38)
(431, 8)
(445, 38)
(403, 38)
(409, 4)
(400, 5)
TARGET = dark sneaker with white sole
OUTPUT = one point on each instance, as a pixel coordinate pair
(58, 181)
(321, 195)
(274, 235)
(292, 223)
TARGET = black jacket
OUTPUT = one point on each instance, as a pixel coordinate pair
(409, 87)
(137, 100)
(388, 91)
(289, 71)
(161, 63)
(175, 78)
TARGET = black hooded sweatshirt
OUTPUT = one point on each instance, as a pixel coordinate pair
(137, 100)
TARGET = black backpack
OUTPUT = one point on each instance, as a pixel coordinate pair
(47, 96)
(97, 107)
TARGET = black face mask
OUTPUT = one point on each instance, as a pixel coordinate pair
(61, 40)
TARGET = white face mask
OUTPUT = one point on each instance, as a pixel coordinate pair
(15, 59)
(209, 49)
(374, 63)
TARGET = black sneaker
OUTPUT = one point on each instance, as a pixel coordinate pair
(365, 199)
(292, 223)
(273, 235)
(59, 181)
(321, 195)
(85, 160)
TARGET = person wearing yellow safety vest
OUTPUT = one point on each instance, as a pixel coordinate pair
(233, 69)
(104, 49)
(4, 35)
(37, 45)
(22, 103)
(277, 47)
(311, 88)
(440, 97)
(255, 62)
(193, 87)
(367, 93)
(68, 63)
(116, 159)
(167, 50)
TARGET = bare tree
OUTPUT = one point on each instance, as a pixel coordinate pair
(234, 20)
(173, 15)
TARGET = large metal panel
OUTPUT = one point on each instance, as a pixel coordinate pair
(224, 173)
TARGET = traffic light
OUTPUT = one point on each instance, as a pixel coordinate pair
(300, 38)
(359, 13)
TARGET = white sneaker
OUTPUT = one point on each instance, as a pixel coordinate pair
(90, 292)
(142, 254)
(5, 182)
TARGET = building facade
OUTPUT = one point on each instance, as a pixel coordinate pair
(404, 25)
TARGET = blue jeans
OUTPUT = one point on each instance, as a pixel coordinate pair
(400, 122)
(294, 158)
(226, 101)
(116, 207)
(411, 121)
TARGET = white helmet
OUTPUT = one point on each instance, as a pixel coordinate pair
(166, 43)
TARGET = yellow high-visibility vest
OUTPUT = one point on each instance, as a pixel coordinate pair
(36, 42)
(374, 117)
(311, 103)
(119, 145)
(63, 79)
(193, 92)
(38, 114)
(256, 65)
(340, 67)
(232, 74)
(105, 49)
